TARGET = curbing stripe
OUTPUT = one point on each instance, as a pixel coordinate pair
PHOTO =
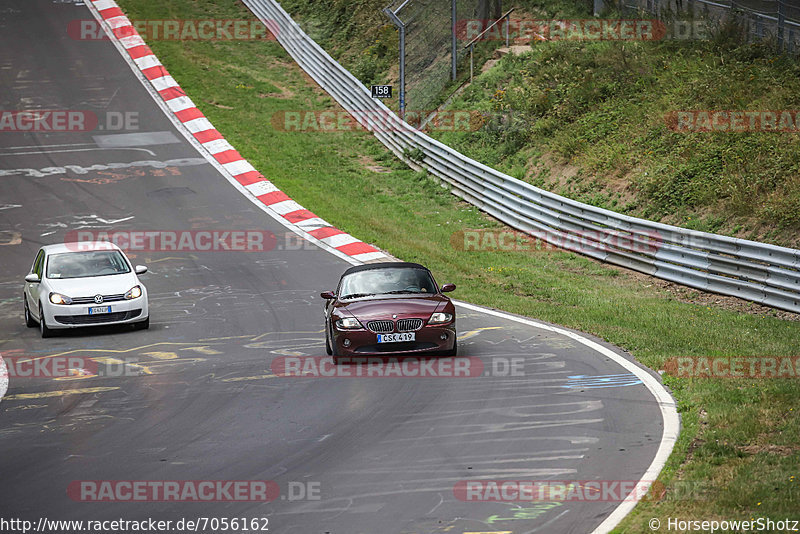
(188, 114)
(118, 22)
(316, 223)
(250, 178)
(162, 82)
(207, 135)
(301, 215)
(199, 125)
(282, 207)
(146, 62)
(261, 188)
(131, 41)
(338, 240)
(215, 147)
(140, 51)
(180, 103)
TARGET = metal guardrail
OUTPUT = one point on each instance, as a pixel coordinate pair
(759, 272)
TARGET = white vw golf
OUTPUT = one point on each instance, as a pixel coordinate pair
(83, 284)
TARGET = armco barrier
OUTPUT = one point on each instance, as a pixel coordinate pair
(759, 272)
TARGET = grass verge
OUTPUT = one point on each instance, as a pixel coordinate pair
(739, 436)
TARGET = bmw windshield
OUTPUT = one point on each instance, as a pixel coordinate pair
(386, 281)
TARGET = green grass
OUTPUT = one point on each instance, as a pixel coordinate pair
(728, 426)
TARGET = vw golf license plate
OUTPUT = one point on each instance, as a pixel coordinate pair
(99, 309)
(395, 338)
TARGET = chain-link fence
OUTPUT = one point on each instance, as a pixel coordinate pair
(777, 20)
(428, 42)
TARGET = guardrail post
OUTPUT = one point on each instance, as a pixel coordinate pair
(781, 23)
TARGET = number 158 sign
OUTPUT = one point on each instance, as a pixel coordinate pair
(381, 91)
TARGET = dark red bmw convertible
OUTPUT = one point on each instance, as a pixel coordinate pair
(393, 308)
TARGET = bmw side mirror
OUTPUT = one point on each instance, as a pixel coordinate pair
(140, 269)
(448, 287)
(32, 278)
(328, 295)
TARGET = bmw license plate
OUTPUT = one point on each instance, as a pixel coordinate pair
(395, 338)
(99, 309)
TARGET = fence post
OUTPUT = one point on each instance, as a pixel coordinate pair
(508, 28)
(781, 23)
(453, 51)
(402, 27)
(471, 62)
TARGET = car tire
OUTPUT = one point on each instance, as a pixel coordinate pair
(29, 322)
(142, 325)
(337, 358)
(45, 331)
(328, 349)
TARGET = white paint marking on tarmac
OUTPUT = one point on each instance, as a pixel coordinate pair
(47, 146)
(9, 206)
(150, 152)
(3, 378)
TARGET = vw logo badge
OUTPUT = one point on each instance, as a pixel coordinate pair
(98, 299)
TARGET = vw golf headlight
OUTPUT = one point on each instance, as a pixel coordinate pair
(58, 298)
(134, 293)
(440, 318)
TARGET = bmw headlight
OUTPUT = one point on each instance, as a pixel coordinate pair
(440, 318)
(348, 323)
(134, 293)
(58, 298)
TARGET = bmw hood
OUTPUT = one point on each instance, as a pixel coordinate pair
(404, 307)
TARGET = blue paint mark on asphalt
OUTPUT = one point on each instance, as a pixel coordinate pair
(601, 381)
